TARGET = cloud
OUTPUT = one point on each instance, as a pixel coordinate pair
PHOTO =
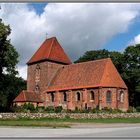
(136, 39)
(79, 27)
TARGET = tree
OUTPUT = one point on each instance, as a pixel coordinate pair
(10, 85)
(116, 57)
(131, 73)
(10, 88)
(8, 54)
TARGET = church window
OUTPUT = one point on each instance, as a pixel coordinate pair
(52, 97)
(108, 96)
(78, 96)
(121, 96)
(92, 96)
(65, 96)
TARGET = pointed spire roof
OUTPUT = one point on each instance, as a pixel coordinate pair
(50, 50)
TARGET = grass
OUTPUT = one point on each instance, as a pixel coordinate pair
(64, 123)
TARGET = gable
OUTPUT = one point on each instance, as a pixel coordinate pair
(111, 76)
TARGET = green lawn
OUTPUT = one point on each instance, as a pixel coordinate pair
(66, 122)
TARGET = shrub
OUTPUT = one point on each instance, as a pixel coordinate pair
(58, 109)
(17, 109)
(40, 109)
(29, 106)
(131, 110)
(50, 109)
(138, 108)
(94, 110)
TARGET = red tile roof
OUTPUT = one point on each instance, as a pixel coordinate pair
(98, 73)
(50, 50)
(28, 96)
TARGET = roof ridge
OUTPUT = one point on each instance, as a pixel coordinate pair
(102, 59)
(104, 70)
(51, 45)
(55, 74)
(24, 94)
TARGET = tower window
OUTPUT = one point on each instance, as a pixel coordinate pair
(37, 89)
(65, 96)
(108, 96)
(37, 73)
(92, 95)
(78, 96)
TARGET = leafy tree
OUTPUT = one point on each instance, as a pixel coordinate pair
(131, 73)
(93, 55)
(116, 57)
(10, 85)
(8, 54)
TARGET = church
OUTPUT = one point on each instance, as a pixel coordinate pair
(53, 80)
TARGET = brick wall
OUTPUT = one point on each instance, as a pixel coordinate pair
(86, 101)
(47, 71)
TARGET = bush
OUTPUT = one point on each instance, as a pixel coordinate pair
(50, 109)
(29, 106)
(138, 108)
(40, 109)
(131, 110)
(58, 109)
(17, 109)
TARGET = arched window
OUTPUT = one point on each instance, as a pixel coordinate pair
(37, 73)
(78, 96)
(108, 96)
(65, 96)
(92, 96)
(52, 97)
(121, 96)
(37, 89)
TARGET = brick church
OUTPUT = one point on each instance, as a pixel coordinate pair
(53, 80)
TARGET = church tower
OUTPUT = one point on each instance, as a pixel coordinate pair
(44, 64)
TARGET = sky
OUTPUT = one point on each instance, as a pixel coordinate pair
(79, 27)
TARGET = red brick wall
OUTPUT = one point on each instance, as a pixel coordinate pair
(99, 99)
(47, 71)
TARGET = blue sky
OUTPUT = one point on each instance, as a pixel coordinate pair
(38, 7)
(120, 41)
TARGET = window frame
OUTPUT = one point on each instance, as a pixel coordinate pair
(52, 97)
(65, 96)
(37, 89)
(92, 95)
(121, 96)
(108, 96)
(37, 73)
(78, 96)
